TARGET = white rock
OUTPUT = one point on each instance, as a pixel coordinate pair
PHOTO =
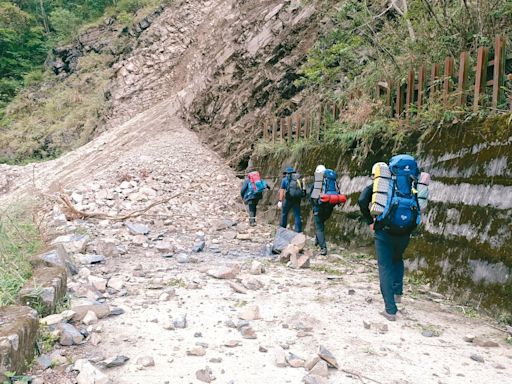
(89, 374)
(250, 312)
(98, 282)
(116, 283)
(90, 318)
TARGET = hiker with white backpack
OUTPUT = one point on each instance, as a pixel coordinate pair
(252, 192)
(392, 206)
(324, 195)
(290, 196)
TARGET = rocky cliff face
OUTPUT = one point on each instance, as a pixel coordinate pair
(229, 62)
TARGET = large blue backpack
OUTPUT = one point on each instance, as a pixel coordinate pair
(402, 212)
(329, 186)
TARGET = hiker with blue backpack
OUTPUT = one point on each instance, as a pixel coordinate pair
(324, 195)
(290, 196)
(252, 192)
(392, 206)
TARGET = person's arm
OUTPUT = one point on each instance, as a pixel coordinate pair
(245, 185)
(282, 191)
(364, 204)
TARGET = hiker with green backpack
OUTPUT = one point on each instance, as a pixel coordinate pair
(252, 192)
(324, 195)
(392, 207)
(290, 196)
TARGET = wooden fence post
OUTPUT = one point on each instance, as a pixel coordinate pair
(274, 130)
(389, 98)
(480, 76)
(448, 73)
(498, 73)
(320, 120)
(463, 79)
(399, 101)
(409, 98)
(298, 125)
(289, 121)
(434, 75)
(281, 133)
(421, 87)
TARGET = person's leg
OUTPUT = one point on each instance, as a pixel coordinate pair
(400, 244)
(297, 218)
(384, 249)
(319, 227)
(284, 213)
(252, 212)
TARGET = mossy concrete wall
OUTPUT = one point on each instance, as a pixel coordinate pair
(465, 243)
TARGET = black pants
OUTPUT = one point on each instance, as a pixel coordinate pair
(321, 214)
(251, 207)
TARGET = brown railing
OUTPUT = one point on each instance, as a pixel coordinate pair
(418, 93)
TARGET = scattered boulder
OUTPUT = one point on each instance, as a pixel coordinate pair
(116, 283)
(89, 259)
(295, 361)
(326, 355)
(239, 288)
(285, 237)
(482, 342)
(69, 335)
(477, 358)
(225, 273)
(180, 321)
(205, 375)
(146, 361)
(107, 247)
(320, 369)
(116, 361)
(279, 357)
(137, 229)
(88, 373)
(250, 312)
(196, 351)
(82, 306)
(310, 364)
(252, 283)
(289, 252)
(90, 318)
(72, 243)
(298, 261)
(98, 282)
(257, 268)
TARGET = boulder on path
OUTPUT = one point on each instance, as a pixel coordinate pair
(225, 273)
(298, 261)
(88, 373)
(285, 237)
(72, 243)
(314, 379)
(257, 268)
(69, 335)
(289, 252)
(326, 355)
(205, 375)
(250, 312)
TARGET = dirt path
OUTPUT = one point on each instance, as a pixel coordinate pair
(157, 279)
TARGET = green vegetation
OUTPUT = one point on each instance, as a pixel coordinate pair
(372, 41)
(19, 239)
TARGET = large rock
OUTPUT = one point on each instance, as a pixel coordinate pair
(88, 373)
(18, 335)
(72, 243)
(56, 257)
(107, 247)
(44, 289)
(290, 252)
(82, 306)
(285, 237)
(69, 335)
(327, 356)
(226, 272)
(98, 282)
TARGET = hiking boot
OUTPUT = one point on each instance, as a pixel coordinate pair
(388, 316)
(323, 251)
(252, 222)
(398, 299)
